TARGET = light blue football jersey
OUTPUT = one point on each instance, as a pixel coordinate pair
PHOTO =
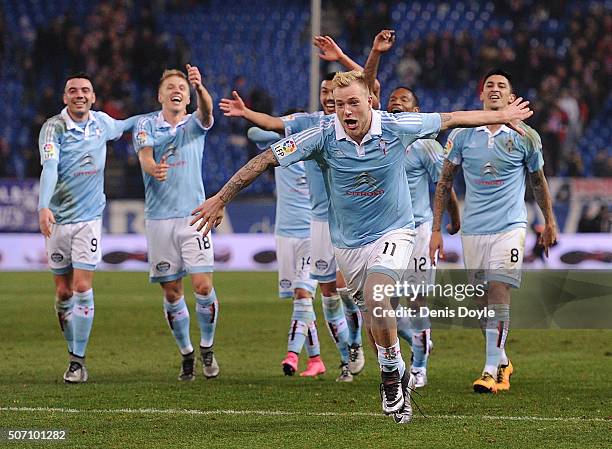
(495, 168)
(292, 195)
(366, 184)
(80, 152)
(183, 146)
(424, 159)
(319, 200)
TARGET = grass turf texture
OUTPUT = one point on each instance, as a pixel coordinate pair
(133, 363)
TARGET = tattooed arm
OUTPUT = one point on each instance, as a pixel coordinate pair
(542, 196)
(443, 193)
(452, 207)
(210, 212)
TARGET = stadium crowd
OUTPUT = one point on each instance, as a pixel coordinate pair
(567, 48)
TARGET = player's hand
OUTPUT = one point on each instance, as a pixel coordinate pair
(436, 245)
(46, 220)
(384, 41)
(330, 51)
(516, 112)
(210, 214)
(453, 228)
(548, 237)
(194, 77)
(234, 107)
(161, 170)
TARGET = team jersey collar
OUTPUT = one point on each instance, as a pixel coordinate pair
(375, 128)
(503, 129)
(71, 124)
(162, 123)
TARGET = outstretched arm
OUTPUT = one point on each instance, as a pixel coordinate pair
(235, 107)
(210, 213)
(542, 196)
(443, 192)
(205, 104)
(511, 116)
(382, 43)
(331, 51)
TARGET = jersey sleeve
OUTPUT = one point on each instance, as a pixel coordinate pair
(262, 138)
(195, 127)
(49, 140)
(143, 134)
(114, 128)
(298, 147)
(414, 124)
(432, 158)
(454, 146)
(296, 123)
(532, 146)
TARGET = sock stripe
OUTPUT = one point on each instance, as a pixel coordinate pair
(213, 312)
(333, 331)
(293, 329)
(170, 320)
(310, 339)
(500, 333)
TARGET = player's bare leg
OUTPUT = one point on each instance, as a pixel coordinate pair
(207, 311)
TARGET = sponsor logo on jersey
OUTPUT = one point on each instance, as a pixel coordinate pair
(87, 160)
(365, 180)
(284, 149)
(489, 172)
(57, 257)
(448, 147)
(48, 151)
(162, 266)
(285, 283)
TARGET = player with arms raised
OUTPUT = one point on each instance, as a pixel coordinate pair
(170, 145)
(495, 161)
(361, 153)
(72, 148)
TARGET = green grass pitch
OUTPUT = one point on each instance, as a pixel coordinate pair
(561, 394)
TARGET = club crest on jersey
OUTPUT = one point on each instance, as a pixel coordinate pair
(382, 144)
(163, 266)
(284, 149)
(141, 137)
(48, 151)
(509, 145)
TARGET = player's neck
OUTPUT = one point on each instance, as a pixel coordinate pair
(79, 119)
(493, 128)
(173, 117)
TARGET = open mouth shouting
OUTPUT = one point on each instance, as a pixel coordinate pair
(176, 99)
(351, 123)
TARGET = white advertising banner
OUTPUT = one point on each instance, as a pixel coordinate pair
(256, 252)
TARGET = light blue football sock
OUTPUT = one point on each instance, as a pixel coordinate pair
(333, 311)
(353, 317)
(64, 315)
(420, 327)
(177, 316)
(390, 359)
(207, 311)
(496, 334)
(82, 320)
(298, 329)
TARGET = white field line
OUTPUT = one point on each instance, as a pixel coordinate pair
(156, 411)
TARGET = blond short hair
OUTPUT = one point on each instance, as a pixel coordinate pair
(345, 79)
(169, 73)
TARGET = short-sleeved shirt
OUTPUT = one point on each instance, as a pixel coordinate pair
(424, 159)
(80, 152)
(292, 195)
(495, 167)
(366, 183)
(319, 200)
(183, 147)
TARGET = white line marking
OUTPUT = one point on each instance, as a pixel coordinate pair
(171, 411)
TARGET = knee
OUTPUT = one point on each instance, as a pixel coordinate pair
(173, 291)
(328, 288)
(81, 286)
(63, 293)
(301, 293)
(203, 287)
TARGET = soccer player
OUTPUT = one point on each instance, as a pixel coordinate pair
(292, 229)
(72, 148)
(423, 162)
(495, 162)
(170, 145)
(342, 316)
(361, 153)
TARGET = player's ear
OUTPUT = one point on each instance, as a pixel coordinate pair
(370, 100)
(65, 99)
(417, 109)
(93, 97)
(159, 97)
(511, 98)
(481, 95)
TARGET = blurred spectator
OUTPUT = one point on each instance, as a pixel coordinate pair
(595, 218)
(602, 164)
